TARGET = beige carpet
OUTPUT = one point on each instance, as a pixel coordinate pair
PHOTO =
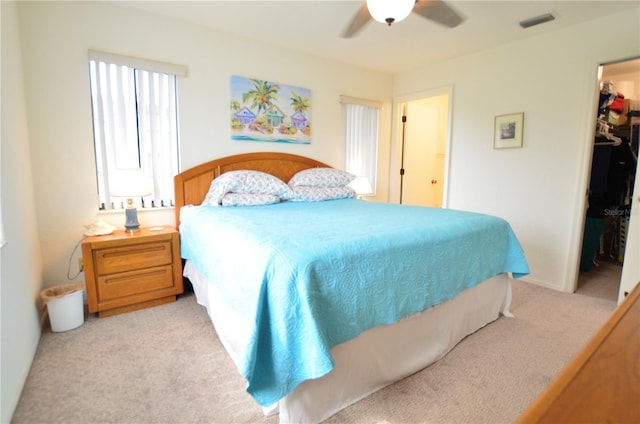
(603, 280)
(166, 365)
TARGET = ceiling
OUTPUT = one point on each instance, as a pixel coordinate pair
(316, 26)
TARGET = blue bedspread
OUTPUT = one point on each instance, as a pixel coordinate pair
(313, 275)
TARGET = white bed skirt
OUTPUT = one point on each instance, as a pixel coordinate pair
(379, 356)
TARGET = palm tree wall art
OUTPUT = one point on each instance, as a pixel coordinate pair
(268, 111)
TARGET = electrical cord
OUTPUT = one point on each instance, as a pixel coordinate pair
(69, 277)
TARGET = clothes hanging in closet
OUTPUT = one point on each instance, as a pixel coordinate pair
(612, 170)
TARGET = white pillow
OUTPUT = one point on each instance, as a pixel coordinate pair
(321, 177)
(249, 199)
(245, 181)
(319, 194)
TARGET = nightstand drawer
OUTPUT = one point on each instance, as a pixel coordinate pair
(134, 282)
(120, 259)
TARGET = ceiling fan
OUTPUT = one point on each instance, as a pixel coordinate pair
(391, 11)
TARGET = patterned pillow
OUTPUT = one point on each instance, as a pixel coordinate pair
(319, 194)
(249, 199)
(321, 177)
(245, 181)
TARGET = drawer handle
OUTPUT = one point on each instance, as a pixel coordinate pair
(119, 278)
(129, 252)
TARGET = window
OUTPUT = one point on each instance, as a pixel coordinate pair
(361, 126)
(135, 125)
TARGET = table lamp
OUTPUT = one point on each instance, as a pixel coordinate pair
(361, 186)
(130, 183)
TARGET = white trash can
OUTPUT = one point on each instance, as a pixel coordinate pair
(65, 306)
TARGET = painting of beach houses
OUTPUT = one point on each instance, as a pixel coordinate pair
(268, 111)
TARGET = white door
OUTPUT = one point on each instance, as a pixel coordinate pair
(631, 269)
(425, 151)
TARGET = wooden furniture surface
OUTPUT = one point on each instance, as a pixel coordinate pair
(602, 383)
(126, 271)
(192, 185)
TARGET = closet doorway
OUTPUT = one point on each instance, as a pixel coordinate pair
(423, 147)
(613, 177)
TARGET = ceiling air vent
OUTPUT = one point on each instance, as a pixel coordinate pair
(537, 20)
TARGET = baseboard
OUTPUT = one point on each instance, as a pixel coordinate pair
(541, 283)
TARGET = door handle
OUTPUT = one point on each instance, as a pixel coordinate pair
(434, 181)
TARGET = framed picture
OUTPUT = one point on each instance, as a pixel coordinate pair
(268, 111)
(507, 132)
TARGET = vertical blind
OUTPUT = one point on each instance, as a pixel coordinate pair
(158, 132)
(361, 126)
(135, 127)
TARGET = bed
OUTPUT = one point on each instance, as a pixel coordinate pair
(321, 303)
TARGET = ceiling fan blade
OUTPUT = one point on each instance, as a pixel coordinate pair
(438, 11)
(359, 20)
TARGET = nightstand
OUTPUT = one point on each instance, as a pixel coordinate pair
(126, 271)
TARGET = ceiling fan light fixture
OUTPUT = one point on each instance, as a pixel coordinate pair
(390, 11)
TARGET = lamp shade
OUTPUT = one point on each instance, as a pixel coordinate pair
(361, 186)
(129, 183)
(389, 11)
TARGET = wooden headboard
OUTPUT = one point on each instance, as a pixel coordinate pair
(191, 186)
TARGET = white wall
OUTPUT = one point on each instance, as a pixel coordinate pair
(20, 261)
(55, 39)
(540, 188)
